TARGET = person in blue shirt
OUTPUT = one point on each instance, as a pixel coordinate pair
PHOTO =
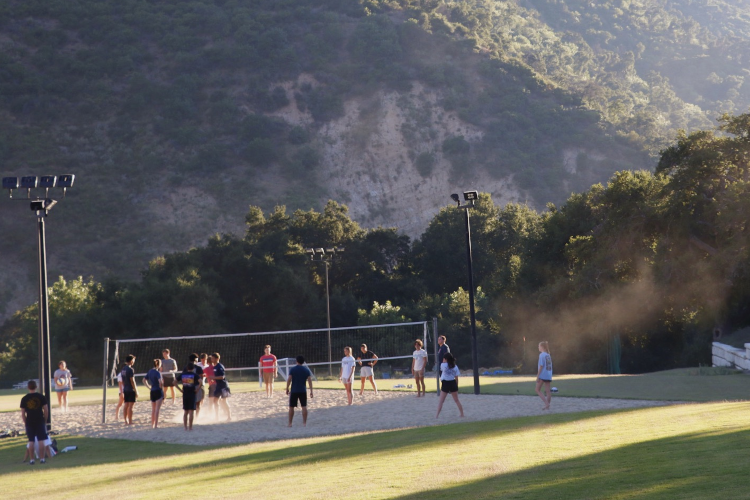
(129, 389)
(155, 382)
(442, 351)
(544, 374)
(221, 387)
(298, 376)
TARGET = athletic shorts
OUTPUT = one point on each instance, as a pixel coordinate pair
(545, 380)
(449, 386)
(365, 371)
(188, 401)
(129, 396)
(419, 373)
(61, 389)
(156, 395)
(211, 390)
(169, 381)
(268, 377)
(297, 396)
(38, 431)
(222, 390)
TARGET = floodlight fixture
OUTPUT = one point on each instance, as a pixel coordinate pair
(29, 182)
(320, 251)
(10, 183)
(471, 195)
(48, 181)
(66, 181)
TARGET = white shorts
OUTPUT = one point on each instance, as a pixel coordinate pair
(365, 371)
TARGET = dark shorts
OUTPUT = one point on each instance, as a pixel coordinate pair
(156, 395)
(169, 381)
(128, 396)
(449, 386)
(221, 390)
(297, 396)
(545, 380)
(188, 401)
(38, 431)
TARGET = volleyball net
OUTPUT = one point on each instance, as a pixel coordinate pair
(240, 352)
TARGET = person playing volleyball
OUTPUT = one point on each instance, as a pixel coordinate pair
(368, 360)
(418, 364)
(296, 379)
(63, 384)
(449, 382)
(121, 397)
(221, 389)
(190, 381)
(168, 370)
(544, 374)
(270, 369)
(154, 381)
(346, 375)
(129, 389)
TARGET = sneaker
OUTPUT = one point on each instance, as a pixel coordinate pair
(31, 462)
(42, 461)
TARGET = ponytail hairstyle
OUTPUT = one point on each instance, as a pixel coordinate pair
(157, 363)
(545, 346)
(450, 360)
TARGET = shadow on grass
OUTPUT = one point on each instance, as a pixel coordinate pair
(91, 451)
(701, 465)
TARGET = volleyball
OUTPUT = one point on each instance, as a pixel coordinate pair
(61, 382)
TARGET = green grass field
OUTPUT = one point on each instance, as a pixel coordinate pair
(674, 385)
(691, 451)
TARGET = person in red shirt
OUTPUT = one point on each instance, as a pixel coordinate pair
(269, 367)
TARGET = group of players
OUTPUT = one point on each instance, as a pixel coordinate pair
(202, 378)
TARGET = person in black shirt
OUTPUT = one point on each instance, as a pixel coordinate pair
(34, 411)
(442, 351)
(367, 359)
(129, 389)
(190, 380)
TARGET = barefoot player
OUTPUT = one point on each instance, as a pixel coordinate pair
(296, 379)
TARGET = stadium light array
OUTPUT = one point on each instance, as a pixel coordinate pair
(326, 256)
(41, 206)
(470, 197)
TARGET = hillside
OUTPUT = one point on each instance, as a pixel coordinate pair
(176, 116)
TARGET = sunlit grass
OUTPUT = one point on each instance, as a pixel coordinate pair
(682, 451)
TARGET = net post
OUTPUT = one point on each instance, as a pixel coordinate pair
(104, 381)
(437, 361)
(260, 377)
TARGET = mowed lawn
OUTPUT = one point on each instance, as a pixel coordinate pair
(691, 451)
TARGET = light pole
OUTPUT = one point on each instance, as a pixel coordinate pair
(42, 206)
(326, 256)
(470, 197)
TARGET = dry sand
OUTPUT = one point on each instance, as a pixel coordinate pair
(256, 418)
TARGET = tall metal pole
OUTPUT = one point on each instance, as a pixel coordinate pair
(328, 310)
(44, 348)
(104, 380)
(474, 360)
